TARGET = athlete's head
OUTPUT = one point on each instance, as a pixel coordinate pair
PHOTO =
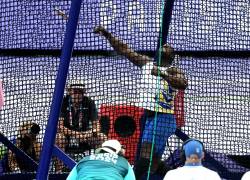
(113, 147)
(167, 55)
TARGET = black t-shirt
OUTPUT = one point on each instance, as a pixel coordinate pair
(80, 119)
(25, 145)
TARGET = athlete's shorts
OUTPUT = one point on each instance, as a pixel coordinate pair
(165, 127)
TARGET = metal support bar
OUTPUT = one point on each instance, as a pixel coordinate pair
(50, 133)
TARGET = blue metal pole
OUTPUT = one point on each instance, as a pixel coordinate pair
(167, 15)
(18, 152)
(50, 133)
(68, 161)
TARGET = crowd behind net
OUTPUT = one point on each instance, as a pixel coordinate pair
(216, 101)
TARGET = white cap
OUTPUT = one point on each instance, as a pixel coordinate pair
(110, 146)
(77, 84)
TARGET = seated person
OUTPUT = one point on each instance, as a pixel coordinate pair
(108, 163)
(79, 128)
(26, 141)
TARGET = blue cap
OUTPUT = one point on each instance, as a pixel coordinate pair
(193, 147)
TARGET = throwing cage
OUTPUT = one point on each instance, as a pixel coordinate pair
(211, 39)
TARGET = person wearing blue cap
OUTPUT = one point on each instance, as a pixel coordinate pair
(192, 170)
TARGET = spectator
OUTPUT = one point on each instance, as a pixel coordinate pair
(79, 129)
(246, 176)
(26, 141)
(108, 163)
(193, 151)
(157, 90)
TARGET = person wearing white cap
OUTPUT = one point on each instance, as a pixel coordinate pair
(79, 130)
(108, 163)
(193, 151)
(246, 176)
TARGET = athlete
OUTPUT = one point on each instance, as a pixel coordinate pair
(157, 89)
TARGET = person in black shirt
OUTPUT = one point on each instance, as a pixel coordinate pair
(78, 111)
(79, 129)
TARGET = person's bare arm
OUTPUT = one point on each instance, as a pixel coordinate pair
(66, 131)
(97, 136)
(173, 75)
(38, 148)
(12, 162)
(122, 48)
(82, 136)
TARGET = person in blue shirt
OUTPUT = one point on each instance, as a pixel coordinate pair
(107, 163)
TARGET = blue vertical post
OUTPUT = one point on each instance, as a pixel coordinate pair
(50, 133)
(167, 15)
